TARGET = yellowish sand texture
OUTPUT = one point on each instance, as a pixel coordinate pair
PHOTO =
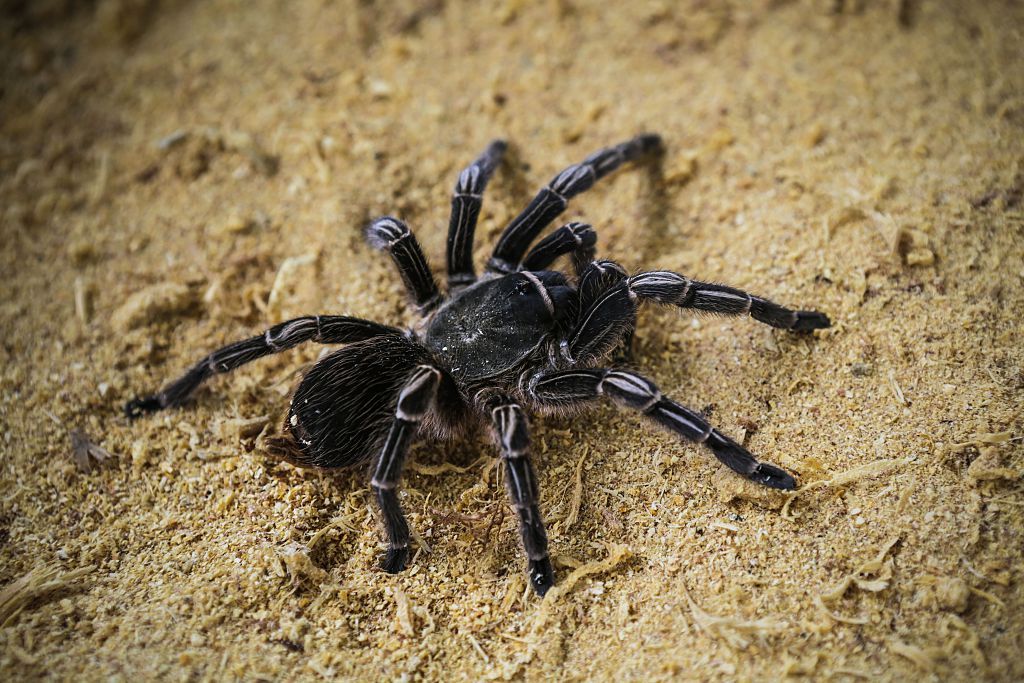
(174, 176)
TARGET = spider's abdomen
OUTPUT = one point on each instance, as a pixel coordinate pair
(344, 405)
(492, 326)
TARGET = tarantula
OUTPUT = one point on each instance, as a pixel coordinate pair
(518, 335)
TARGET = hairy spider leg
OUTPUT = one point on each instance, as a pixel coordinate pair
(569, 387)
(552, 199)
(606, 317)
(596, 278)
(667, 287)
(393, 236)
(577, 239)
(511, 431)
(415, 399)
(324, 329)
(608, 302)
(466, 200)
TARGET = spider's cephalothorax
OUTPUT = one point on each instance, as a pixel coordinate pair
(517, 336)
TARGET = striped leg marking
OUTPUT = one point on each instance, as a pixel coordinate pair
(511, 432)
(572, 238)
(553, 199)
(666, 287)
(414, 401)
(393, 236)
(324, 329)
(639, 393)
(466, 201)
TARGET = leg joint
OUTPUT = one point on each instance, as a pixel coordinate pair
(631, 390)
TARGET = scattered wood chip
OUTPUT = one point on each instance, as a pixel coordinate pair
(923, 659)
(434, 470)
(897, 392)
(952, 593)
(838, 618)
(872, 576)
(577, 492)
(83, 300)
(298, 566)
(404, 616)
(87, 455)
(156, 302)
(869, 471)
(285, 278)
(737, 633)
(616, 555)
(988, 466)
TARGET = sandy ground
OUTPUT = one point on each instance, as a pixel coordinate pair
(178, 175)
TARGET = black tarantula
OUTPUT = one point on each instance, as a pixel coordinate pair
(518, 335)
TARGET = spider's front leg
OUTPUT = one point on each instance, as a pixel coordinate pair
(667, 287)
(394, 236)
(553, 198)
(416, 398)
(511, 431)
(608, 305)
(577, 239)
(466, 201)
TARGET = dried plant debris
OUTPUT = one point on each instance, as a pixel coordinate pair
(851, 476)
(40, 583)
(734, 631)
(152, 304)
(86, 454)
(194, 150)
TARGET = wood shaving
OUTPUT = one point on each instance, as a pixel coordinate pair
(873, 576)
(924, 659)
(39, 584)
(736, 632)
(577, 492)
(851, 476)
(434, 470)
(299, 567)
(154, 303)
(404, 615)
(285, 277)
(838, 618)
(86, 454)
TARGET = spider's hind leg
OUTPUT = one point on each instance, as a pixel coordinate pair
(414, 401)
(634, 391)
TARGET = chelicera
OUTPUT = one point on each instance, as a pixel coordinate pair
(518, 336)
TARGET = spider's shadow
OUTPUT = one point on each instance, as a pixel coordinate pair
(653, 208)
